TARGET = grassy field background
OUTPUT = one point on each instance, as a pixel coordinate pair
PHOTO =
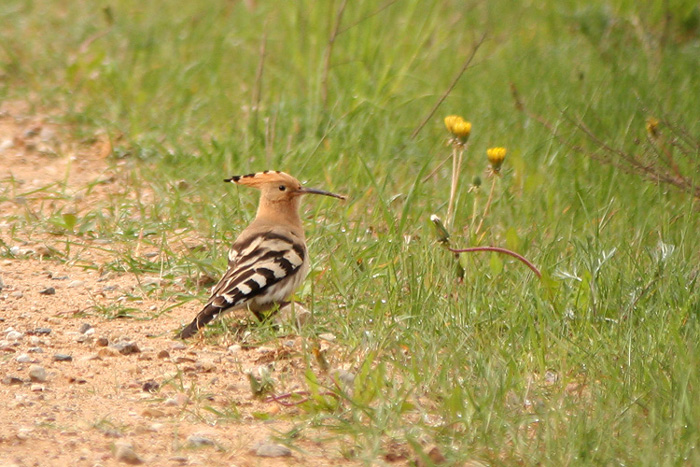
(595, 364)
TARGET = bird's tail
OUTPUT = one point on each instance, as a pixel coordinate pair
(202, 319)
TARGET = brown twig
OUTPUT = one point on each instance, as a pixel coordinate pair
(452, 85)
(521, 107)
(436, 169)
(368, 16)
(659, 166)
(329, 51)
(257, 91)
(499, 250)
(281, 398)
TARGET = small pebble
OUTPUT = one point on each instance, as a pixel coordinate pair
(75, 284)
(112, 434)
(145, 357)
(178, 346)
(84, 328)
(10, 380)
(90, 357)
(107, 352)
(126, 348)
(102, 342)
(234, 349)
(61, 357)
(163, 354)
(125, 453)
(48, 291)
(32, 131)
(47, 134)
(35, 350)
(272, 450)
(17, 295)
(23, 358)
(551, 377)
(152, 412)
(14, 335)
(37, 387)
(435, 455)
(199, 440)
(37, 373)
(23, 433)
(40, 332)
(42, 250)
(205, 366)
(150, 386)
(179, 400)
(344, 377)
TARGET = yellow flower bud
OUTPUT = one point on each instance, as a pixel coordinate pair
(496, 157)
(458, 127)
(450, 121)
(462, 130)
(653, 127)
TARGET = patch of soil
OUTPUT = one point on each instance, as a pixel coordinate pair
(80, 387)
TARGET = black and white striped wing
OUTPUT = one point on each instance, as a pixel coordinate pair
(264, 268)
(261, 268)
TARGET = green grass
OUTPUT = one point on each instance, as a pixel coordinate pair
(597, 364)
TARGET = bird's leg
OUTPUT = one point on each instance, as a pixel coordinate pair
(263, 314)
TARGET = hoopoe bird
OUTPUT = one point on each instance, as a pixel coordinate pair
(269, 259)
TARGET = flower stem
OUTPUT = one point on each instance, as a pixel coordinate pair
(487, 207)
(456, 166)
(500, 250)
(475, 208)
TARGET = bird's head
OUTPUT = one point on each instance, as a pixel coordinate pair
(277, 188)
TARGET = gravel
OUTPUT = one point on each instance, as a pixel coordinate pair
(48, 291)
(198, 440)
(37, 373)
(267, 449)
(127, 348)
(23, 358)
(125, 453)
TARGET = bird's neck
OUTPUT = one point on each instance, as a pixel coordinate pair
(283, 213)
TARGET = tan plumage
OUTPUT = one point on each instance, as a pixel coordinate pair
(269, 259)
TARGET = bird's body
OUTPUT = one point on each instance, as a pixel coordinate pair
(269, 259)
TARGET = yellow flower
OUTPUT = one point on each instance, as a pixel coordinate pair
(450, 121)
(653, 127)
(496, 157)
(458, 127)
(462, 130)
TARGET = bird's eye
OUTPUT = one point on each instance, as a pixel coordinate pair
(282, 187)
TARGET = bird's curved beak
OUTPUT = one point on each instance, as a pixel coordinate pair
(314, 191)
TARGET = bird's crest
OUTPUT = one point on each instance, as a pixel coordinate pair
(259, 179)
(270, 180)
